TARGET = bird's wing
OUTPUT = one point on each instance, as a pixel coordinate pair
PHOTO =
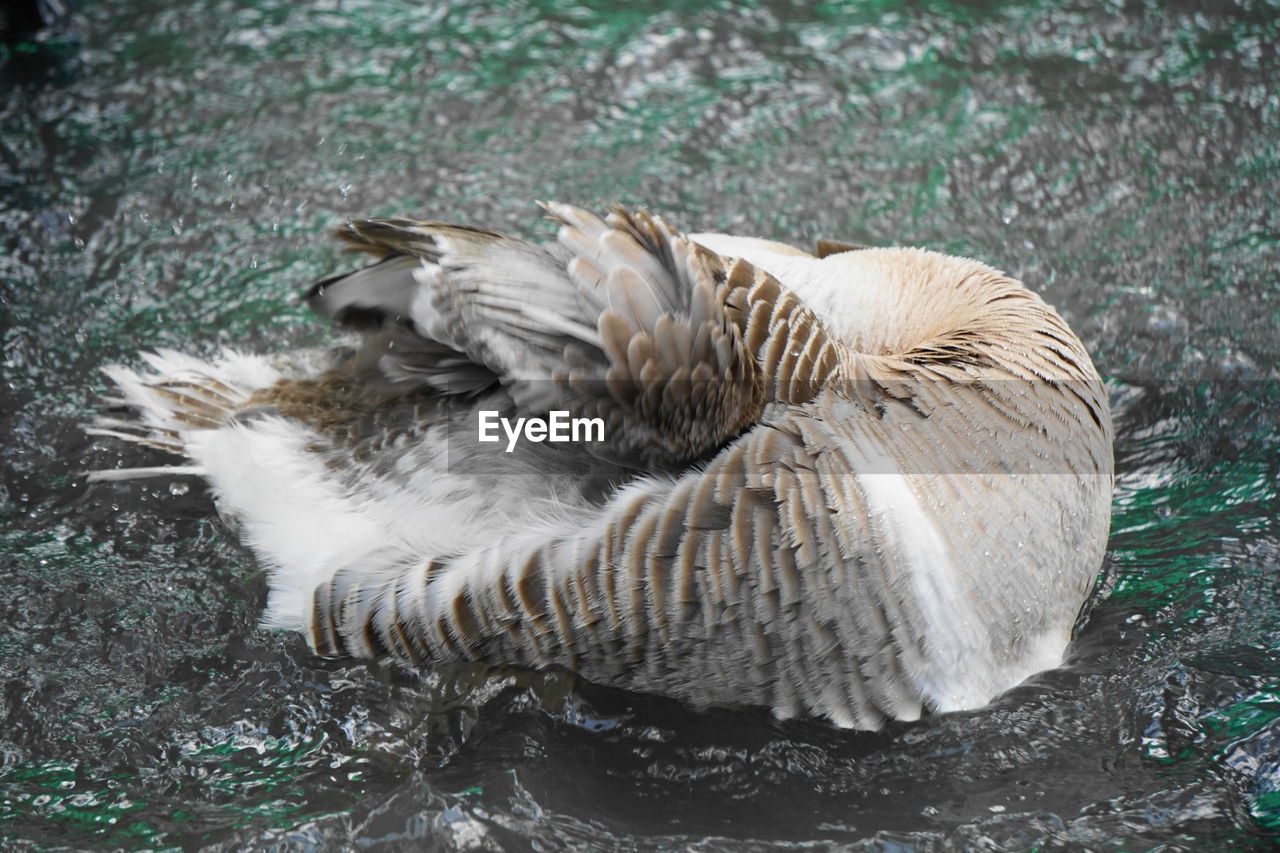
(677, 349)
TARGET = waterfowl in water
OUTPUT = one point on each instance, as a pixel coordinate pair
(862, 485)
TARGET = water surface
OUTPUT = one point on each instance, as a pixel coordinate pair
(166, 174)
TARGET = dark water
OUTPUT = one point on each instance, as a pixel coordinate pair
(166, 171)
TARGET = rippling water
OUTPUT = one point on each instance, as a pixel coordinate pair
(167, 170)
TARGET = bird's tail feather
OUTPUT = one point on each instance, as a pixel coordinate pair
(172, 396)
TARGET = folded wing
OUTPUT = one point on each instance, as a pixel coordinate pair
(623, 318)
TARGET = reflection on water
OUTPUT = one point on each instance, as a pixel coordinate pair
(165, 174)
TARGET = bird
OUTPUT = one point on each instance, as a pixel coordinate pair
(858, 484)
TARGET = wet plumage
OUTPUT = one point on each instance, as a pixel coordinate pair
(861, 485)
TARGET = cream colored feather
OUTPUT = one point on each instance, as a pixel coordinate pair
(862, 486)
